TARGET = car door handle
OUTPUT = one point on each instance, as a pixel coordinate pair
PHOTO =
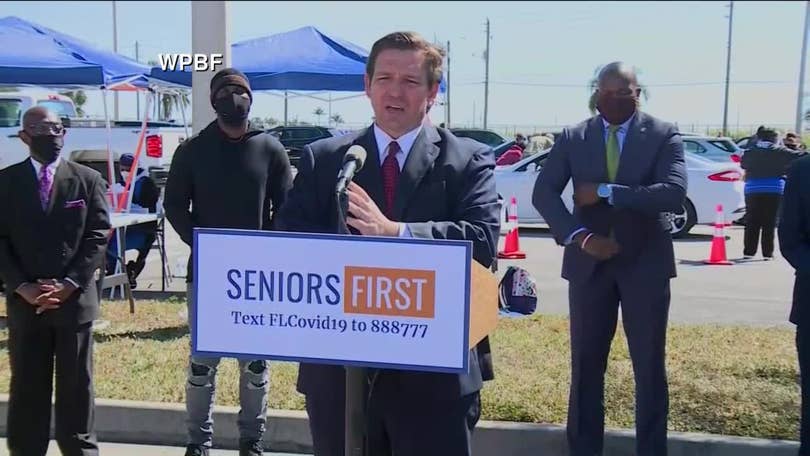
(14, 136)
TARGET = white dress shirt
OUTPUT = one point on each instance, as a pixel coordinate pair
(405, 143)
(38, 166)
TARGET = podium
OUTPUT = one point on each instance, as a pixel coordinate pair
(355, 301)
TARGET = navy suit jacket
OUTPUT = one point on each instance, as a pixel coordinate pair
(794, 235)
(446, 190)
(652, 175)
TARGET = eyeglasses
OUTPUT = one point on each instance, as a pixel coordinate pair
(45, 129)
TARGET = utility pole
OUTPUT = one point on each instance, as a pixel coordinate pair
(802, 69)
(728, 68)
(137, 93)
(115, 49)
(486, 78)
(447, 92)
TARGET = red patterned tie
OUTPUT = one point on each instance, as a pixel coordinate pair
(390, 175)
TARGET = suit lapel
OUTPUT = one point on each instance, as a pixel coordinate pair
(370, 177)
(595, 142)
(29, 188)
(632, 151)
(64, 183)
(420, 160)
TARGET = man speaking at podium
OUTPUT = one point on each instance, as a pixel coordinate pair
(417, 181)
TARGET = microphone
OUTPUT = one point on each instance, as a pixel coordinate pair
(352, 163)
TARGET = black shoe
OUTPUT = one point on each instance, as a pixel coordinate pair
(254, 448)
(196, 450)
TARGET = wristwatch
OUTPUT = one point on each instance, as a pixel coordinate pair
(604, 191)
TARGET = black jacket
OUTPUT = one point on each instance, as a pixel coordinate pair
(68, 240)
(794, 237)
(760, 162)
(228, 184)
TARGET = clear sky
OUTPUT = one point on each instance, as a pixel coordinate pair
(542, 53)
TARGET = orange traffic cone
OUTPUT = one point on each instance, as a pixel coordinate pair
(718, 252)
(511, 250)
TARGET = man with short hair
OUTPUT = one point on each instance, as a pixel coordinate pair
(627, 169)
(53, 232)
(230, 175)
(418, 181)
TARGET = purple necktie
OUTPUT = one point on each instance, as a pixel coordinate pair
(390, 175)
(45, 185)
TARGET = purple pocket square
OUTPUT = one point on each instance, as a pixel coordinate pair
(75, 204)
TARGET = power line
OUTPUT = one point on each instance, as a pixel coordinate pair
(585, 85)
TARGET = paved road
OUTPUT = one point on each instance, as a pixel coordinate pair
(754, 292)
(118, 449)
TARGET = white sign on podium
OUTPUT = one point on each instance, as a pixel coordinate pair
(396, 303)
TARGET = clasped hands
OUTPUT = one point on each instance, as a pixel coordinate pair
(46, 294)
(600, 247)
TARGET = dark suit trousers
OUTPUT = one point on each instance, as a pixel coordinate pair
(403, 425)
(803, 348)
(397, 423)
(36, 348)
(761, 211)
(594, 306)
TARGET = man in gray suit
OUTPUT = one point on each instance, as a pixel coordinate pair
(627, 168)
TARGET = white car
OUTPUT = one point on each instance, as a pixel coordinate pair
(160, 139)
(709, 184)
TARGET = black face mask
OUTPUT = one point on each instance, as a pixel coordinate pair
(45, 149)
(616, 110)
(233, 110)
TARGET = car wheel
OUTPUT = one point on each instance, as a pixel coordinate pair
(682, 221)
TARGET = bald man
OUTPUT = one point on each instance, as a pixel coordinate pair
(53, 233)
(627, 169)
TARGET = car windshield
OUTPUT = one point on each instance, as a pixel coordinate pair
(10, 112)
(60, 108)
(726, 145)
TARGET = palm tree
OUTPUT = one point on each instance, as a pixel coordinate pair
(593, 84)
(337, 119)
(318, 113)
(79, 99)
(170, 101)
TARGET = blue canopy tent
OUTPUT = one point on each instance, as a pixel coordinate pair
(31, 54)
(303, 59)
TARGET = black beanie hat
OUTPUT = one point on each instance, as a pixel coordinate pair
(226, 77)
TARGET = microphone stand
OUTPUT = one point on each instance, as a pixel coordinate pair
(356, 383)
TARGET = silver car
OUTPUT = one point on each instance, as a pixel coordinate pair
(711, 148)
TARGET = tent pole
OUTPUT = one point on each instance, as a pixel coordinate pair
(183, 113)
(110, 159)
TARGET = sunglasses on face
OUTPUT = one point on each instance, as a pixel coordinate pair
(45, 129)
